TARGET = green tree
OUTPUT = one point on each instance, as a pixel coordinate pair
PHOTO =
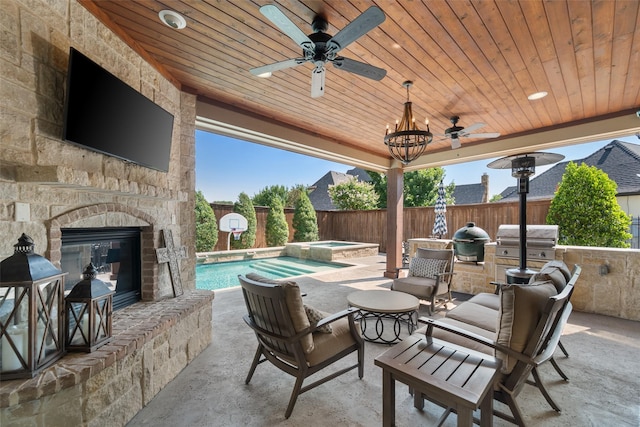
(586, 210)
(354, 195)
(277, 229)
(265, 196)
(495, 198)
(379, 182)
(244, 207)
(420, 187)
(305, 221)
(206, 225)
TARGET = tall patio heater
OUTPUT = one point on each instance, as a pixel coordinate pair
(522, 167)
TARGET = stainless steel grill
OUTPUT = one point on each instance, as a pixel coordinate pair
(541, 240)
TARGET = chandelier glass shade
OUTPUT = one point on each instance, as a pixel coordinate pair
(407, 142)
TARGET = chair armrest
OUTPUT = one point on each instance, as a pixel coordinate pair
(498, 286)
(431, 323)
(339, 315)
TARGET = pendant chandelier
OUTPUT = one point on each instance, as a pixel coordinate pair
(407, 142)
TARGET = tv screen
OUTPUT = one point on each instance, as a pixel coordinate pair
(104, 114)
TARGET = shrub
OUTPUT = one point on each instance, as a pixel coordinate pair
(305, 221)
(586, 210)
(277, 229)
(244, 207)
(354, 195)
(206, 225)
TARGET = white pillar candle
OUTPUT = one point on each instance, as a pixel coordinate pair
(10, 361)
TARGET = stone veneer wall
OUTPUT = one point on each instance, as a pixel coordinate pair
(616, 293)
(47, 184)
(152, 343)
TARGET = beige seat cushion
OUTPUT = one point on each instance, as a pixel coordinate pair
(521, 307)
(476, 315)
(462, 341)
(295, 305)
(327, 345)
(420, 287)
(488, 300)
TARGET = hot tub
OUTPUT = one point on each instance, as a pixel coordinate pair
(330, 250)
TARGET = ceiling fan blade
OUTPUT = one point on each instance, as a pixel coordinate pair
(473, 127)
(276, 66)
(359, 68)
(367, 21)
(481, 135)
(285, 25)
(317, 82)
(455, 143)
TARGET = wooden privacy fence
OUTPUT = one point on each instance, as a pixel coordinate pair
(371, 226)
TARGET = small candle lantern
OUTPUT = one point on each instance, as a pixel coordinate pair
(89, 312)
(31, 312)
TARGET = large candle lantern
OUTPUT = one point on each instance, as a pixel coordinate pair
(89, 313)
(31, 312)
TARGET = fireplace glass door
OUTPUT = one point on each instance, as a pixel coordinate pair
(115, 252)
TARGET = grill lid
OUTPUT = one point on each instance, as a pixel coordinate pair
(537, 235)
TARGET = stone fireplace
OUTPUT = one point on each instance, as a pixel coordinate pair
(49, 187)
(153, 339)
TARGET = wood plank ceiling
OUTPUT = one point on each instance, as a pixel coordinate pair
(475, 59)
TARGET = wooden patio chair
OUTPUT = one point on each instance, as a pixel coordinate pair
(547, 317)
(429, 277)
(290, 340)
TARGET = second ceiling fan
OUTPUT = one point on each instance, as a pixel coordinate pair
(456, 132)
(320, 48)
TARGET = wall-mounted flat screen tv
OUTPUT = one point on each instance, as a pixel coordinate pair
(102, 113)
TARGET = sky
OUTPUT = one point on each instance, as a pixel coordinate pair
(225, 167)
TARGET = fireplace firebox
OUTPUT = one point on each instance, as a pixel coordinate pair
(115, 252)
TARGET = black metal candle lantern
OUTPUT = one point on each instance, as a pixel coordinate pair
(31, 312)
(89, 312)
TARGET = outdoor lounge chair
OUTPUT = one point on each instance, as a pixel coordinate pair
(294, 337)
(429, 277)
(530, 325)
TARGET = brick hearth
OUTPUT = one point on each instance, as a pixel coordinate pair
(152, 342)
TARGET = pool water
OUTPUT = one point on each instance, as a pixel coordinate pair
(225, 274)
(331, 244)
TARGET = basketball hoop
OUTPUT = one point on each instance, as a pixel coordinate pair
(233, 223)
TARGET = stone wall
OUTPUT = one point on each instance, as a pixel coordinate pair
(44, 177)
(47, 184)
(615, 292)
(152, 343)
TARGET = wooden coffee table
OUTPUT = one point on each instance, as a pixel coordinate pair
(377, 305)
(455, 377)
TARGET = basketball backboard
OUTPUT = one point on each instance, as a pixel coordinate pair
(233, 222)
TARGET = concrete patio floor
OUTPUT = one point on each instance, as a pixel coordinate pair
(603, 367)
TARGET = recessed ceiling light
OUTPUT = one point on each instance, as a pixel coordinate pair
(264, 75)
(172, 19)
(537, 95)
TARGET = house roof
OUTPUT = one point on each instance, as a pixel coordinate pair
(467, 194)
(619, 160)
(320, 195)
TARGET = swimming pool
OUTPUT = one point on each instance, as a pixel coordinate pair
(223, 275)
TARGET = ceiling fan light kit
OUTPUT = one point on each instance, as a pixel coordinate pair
(320, 48)
(407, 142)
